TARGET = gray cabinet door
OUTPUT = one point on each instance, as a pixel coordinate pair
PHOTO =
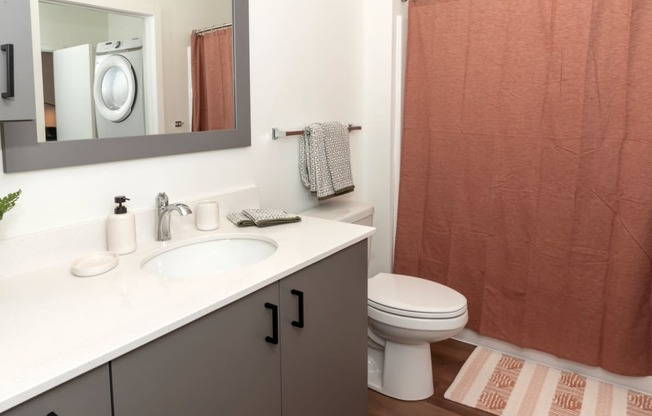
(220, 364)
(88, 394)
(16, 31)
(324, 364)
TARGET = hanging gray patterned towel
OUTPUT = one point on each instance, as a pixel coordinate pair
(261, 217)
(325, 159)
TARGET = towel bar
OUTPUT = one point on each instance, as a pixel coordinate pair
(277, 133)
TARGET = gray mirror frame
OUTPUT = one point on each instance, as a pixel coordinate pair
(22, 152)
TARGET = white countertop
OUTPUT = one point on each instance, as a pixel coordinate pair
(55, 326)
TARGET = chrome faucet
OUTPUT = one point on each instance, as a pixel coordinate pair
(163, 212)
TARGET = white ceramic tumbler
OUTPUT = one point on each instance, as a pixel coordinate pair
(207, 215)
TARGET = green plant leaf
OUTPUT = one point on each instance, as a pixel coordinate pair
(8, 202)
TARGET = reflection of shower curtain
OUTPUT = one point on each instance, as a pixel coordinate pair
(212, 80)
(526, 172)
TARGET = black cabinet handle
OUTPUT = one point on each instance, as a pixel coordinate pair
(274, 338)
(52, 414)
(9, 49)
(299, 323)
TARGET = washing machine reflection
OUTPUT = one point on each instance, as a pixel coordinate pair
(118, 88)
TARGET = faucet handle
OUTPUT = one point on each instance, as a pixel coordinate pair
(161, 200)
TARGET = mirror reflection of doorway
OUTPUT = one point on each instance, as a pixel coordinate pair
(49, 101)
(73, 78)
(70, 34)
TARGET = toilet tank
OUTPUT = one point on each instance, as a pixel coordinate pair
(353, 212)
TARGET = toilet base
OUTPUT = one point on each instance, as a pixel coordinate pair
(401, 371)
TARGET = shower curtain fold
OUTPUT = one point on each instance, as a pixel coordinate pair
(526, 171)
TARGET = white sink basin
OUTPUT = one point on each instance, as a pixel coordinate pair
(209, 257)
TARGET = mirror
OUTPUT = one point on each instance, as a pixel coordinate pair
(98, 83)
(139, 90)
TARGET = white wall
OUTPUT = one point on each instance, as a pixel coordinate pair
(319, 61)
(308, 63)
(378, 163)
(61, 28)
(306, 67)
(123, 27)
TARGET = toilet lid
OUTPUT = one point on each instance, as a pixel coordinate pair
(414, 297)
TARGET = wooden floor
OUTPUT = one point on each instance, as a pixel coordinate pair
(447, 359)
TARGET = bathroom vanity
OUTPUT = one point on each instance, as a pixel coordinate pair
(286, 336)
(230, 362)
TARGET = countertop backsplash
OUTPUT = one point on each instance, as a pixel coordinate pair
(64, 244)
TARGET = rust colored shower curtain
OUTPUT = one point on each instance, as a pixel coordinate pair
(212, 80)
(526, 172)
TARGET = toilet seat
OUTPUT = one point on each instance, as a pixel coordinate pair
(416, 324)
(413, 314)
(414, 297)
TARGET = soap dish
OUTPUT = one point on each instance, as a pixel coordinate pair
(94, 264)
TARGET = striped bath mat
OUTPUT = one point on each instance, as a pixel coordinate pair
(504, 385)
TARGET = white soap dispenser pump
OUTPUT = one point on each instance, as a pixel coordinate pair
(121, 228)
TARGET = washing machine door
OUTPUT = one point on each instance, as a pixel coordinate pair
(114, 89)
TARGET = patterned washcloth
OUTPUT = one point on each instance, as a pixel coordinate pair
(239, 219)
(325, 159)
(261, 217)
(264, 217)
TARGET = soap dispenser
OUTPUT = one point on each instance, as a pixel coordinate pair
(121, 228)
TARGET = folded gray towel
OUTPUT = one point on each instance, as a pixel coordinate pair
(325, 159)
(261, 217)
(264, 217)
(239, 219)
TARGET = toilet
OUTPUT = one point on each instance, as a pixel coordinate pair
(405, 315)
